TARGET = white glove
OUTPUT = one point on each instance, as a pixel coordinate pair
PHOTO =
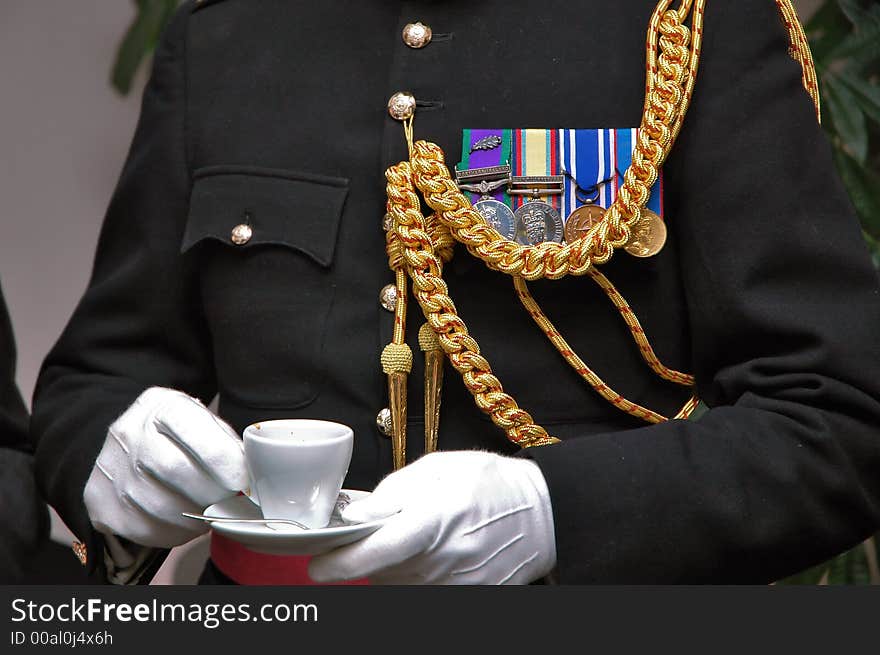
(460, 517)
(165, 455)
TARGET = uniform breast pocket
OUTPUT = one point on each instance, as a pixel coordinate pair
(264, 243)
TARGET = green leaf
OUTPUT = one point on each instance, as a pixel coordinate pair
(867, 95)
(811, 576)
(856, 12)
(861, 44)
(874, 249)
(826, 29)
(140, 40)
(847, 118)
(838, 571)
(863, 186)
(849, 568)
(699, 410)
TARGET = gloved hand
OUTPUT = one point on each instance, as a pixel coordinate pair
(459, 517)
(165, 455)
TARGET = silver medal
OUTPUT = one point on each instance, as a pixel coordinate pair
(537, 222)
(498, 216)
(485, 181)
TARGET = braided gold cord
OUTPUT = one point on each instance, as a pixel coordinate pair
(576, 362)
(598, 385)
(800, 51)
(423, 245)
(425, 269)
(641, 339)
(397, 358)
(688, 408)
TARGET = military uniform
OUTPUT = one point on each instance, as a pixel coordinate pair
(23, 515)
(272, 115)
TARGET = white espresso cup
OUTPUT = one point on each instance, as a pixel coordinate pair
(296, 467)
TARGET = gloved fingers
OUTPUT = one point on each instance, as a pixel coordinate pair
(210, 442)
(375, 506)
(391, 495)
(403, 537)
(113, 511)
(152, 498)
(409, 573)
(419, 572)
(164, 462)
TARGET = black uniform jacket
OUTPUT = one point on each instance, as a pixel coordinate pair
(273, 113)
(24, 521)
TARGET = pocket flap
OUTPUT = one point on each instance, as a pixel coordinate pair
(287, 208)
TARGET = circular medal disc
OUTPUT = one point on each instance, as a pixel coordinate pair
(537, 222)
(581, 221)
(648, 236)
(498, 216)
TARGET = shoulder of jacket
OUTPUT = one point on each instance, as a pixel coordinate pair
(201, 4)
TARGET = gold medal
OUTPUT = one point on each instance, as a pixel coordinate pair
(581, 221)
(648, 235)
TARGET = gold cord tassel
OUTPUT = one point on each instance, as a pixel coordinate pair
(396, 364)
(434, 359)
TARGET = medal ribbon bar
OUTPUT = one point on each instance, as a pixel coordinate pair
(486, 149)
(590, 157)
(536, 155)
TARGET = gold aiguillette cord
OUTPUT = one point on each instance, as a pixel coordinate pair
(397, 359)
(397, 355)
(434, 359)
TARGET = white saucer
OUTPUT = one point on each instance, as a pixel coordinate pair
(279, 539)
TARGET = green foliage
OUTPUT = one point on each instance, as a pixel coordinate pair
(854, 567)
(845, 39)
(140, 40)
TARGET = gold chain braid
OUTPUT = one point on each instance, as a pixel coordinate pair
(425, 269)
(670, 80)
(800, 52)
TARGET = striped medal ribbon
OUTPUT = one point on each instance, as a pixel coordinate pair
(537, 186)
(592, 162)
(485, 167)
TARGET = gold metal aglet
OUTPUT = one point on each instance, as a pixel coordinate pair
(434, 359)
(397, 404)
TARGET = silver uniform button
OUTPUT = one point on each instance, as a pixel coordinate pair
(241, 234)
(417, 35)
(402, 105)
(384, 423)
(388, 297)
(387, 222)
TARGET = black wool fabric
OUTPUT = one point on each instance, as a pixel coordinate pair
(273, 114)
(24, 521)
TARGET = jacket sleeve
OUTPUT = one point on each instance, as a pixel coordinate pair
(13, 414)
(24, 522)
(784, 470)
(138, 323)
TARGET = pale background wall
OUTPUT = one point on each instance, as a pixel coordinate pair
(64, 134)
